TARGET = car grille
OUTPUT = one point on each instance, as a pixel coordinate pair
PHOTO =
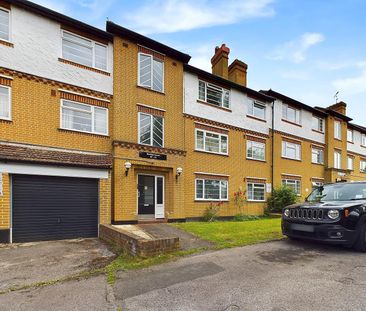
(306, 213)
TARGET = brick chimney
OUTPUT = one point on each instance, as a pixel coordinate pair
(220, 61)
(340, 107)
(238, 72)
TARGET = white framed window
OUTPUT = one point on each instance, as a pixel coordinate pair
(4, 24)
(350, 162)
(211, 142)
(151, 130)
(337, 130)
(151, 72)
(213, 94)
(211, 189)
(294, 184)
(317, 184)
(84, 118)
(318, 124)
(257, 110)
(363, 140)
(291, 114)
(256, 150)
(5, 102)
(350, 136)
(291, 150)
(337, 159)
(317, 155)
(363, 166)
(256, 192)
(84, 51)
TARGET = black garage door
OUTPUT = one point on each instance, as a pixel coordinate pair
(54, 208)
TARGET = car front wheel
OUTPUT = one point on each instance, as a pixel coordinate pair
(360, 244)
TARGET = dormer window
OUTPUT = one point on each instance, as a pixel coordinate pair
(213, 94)
(291, 114)
(4, 24)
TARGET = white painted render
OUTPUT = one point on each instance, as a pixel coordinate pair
(37, 47)
(51, 170)
(305, 131)
(239, 105)
(356, 146)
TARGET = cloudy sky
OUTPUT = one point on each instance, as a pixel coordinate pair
(306, 49)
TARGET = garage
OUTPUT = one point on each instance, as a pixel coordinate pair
(53, 208)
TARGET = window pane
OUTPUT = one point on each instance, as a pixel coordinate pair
(77, 49)
(76, 120)
(145, 129)
(259, 111)
(223, 144)
(212, 189)
(157, 131)
(224, 190)
(158, 75)
(214, 95)
(101, 56)
(4, 25)
(199, 188)
(4, 102)
(202, 90)
(199, 140)
(258, 192)
(363, 166)
(226, 102)
(256, 150)
(76, 106)
(212, 142)
(145, 70)
(100, 120)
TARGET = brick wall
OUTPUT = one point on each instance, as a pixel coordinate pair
(105, 196)
(5, 202)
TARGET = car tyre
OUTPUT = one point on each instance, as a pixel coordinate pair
(360, 244)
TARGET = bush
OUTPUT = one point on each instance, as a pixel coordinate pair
(281, 198)
(211, 212)
(242, 217)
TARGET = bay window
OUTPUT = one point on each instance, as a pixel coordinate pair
(213, 94)
(84, 118)
(151, 72)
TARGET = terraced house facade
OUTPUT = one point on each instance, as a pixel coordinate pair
(100, 127)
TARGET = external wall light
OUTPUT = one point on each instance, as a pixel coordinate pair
(127, 167)
(179, 172)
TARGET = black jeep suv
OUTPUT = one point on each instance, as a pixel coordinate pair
(333, 213)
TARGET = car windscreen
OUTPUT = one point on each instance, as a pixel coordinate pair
(339, 192)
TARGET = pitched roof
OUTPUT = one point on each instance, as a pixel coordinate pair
(147, 42)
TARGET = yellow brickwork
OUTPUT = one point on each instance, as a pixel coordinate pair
(5, 202)
(105, 195)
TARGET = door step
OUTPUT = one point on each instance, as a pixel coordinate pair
(152, 221)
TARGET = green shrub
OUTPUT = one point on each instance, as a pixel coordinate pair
(280, 198)
(242, 217)
(211, 212)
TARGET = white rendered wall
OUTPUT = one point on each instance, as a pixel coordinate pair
(356, 146)
(37, 47)
(305, 131)
(239, 104)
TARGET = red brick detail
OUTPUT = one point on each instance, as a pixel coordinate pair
(255, 180)
(61, 85)
(48, 156)
(150, 110)
(208, 176)
(5, 81)
(151, 52)
(210, 128)
(315, 179)
(83, 99)
(83, 66)
(257, 139)
(293, 141)
(284, 176)
(130, 145)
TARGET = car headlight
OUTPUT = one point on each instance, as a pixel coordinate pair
(333, 214)
(286, 212)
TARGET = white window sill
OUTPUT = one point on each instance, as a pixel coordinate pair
(260, 160)
(211, 152)
(151, 145)
(84, 132)
(288, 158)
(5, 119)
(151, 89)
(212, 200)
(258, 201)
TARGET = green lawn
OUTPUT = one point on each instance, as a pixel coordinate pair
(231, 233)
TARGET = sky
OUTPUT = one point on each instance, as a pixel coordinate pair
(305, 49)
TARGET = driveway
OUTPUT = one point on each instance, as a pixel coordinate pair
(30, 263)
(276, 276)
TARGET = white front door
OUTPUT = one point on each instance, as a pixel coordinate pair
(159, 197)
